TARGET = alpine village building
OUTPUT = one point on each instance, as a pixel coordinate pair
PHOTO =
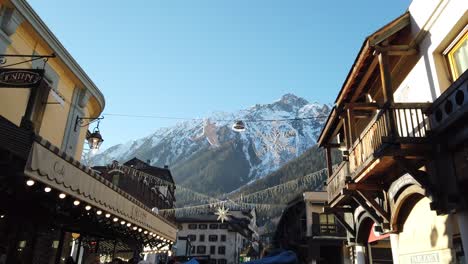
(401, 122)
(52, 206)
(315, 236)
(208, 240)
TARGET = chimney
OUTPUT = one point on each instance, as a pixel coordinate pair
(148, 161)
(166, 166)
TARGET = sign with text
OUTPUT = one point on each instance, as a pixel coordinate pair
(20, 78)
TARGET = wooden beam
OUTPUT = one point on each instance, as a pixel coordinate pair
(362, 114)
(351, 126)
(363, 187)
(390, 29)
(385, 77)
(402, 52)
(346, 133)
(420, 176)
(343, 222)
(377, 219)
(375, 205)
(365, 79)
(329, 161)
(387, 90)
(393, 48)
(364, 106)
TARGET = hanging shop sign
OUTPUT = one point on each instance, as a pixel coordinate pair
(20, 78)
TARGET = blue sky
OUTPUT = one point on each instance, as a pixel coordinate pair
(190, 58)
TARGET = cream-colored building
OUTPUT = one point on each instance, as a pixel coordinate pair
(400, 121)
(52, 206)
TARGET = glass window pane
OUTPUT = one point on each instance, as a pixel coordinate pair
(323, 219)
(461, 57)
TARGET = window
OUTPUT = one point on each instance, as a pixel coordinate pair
(457, 54)
(192, 226)
(212, 261)
(192, 238)
(327, 224)
(202, 238)
(213, 238)
(222, 261)
(212, 250)
(221, 250)
(201, 250)
(192, 250)
(223, 226)
(223, 238)
(202, 226)
(213, 226)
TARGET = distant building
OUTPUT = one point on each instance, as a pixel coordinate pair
(134, 177)
(204, 235)
(315, 236)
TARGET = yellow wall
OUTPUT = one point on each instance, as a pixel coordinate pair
(426, 236)
(13, 101)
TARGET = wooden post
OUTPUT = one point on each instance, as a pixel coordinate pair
(387, 89)
(346, 133)
(351, 125)
(329, 161)
(385, 77)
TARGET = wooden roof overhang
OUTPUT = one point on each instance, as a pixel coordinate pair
(363, 67)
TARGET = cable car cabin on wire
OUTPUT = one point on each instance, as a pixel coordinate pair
(238, 126)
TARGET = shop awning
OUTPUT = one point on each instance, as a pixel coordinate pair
(49, 165)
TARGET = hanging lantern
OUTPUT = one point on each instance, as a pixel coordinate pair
(95, 139)
(238, 126)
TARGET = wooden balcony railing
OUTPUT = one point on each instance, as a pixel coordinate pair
(402, 123)
(337, 181)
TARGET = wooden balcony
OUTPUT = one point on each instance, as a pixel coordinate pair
(400, 130)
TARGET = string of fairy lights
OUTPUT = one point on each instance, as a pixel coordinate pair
(162, 243)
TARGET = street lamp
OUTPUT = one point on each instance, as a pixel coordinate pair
(94, 139)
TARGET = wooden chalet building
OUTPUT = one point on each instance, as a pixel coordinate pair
(152, 185)
(401, 122)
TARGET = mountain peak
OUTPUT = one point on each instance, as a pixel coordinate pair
(290, 98)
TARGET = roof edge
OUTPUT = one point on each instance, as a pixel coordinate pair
(36, 22)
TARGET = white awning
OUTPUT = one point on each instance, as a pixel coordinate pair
(47, 164)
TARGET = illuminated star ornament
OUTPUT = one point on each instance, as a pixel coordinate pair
(223, 214)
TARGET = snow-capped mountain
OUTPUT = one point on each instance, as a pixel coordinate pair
(210, 157)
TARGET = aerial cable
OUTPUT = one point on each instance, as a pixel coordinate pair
(219, 120)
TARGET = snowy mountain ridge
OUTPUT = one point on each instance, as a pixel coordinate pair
(263, 147)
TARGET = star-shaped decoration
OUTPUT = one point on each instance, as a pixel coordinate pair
(223, 214)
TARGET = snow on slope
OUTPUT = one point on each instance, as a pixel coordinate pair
(266, 145)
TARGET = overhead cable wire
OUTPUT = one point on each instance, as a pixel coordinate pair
(220, 120)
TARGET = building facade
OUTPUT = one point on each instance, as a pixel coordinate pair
(316, 237)
(222, 242)
(152, 185)
(400, 121)
(52, 206)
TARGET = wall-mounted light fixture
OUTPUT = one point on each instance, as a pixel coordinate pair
(94, 139)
